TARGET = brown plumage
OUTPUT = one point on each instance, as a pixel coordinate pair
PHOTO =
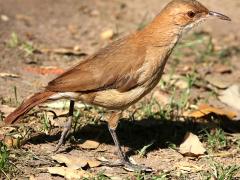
(27, 105)
(120, 74)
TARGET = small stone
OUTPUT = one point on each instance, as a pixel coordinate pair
(94, 12)
(4, 18)
(108, 34)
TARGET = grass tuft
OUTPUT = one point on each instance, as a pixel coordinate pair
(220, 172)
(216, 140)
(14, 41)
(4, 159)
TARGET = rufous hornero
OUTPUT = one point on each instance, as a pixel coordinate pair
(123, 72)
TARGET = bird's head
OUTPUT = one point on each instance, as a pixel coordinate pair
(177, 17)
(188, 13)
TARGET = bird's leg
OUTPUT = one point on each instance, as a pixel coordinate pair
(67, 126)
(112, 126)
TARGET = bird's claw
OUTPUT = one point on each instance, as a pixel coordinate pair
(135, 167)
(64, 135)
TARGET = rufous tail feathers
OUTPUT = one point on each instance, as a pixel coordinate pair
(27, 105)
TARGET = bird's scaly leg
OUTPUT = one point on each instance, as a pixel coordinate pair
(67, 126)
(112, 126)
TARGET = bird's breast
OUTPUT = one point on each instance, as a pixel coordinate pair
(150, 74)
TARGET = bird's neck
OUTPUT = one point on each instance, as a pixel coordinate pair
(159, 39)
(162, 32)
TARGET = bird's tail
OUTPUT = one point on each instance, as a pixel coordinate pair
(27, 105)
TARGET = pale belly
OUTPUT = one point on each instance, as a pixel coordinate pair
(110, 99)
(113, 99)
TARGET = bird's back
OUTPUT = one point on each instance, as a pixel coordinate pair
(113, 67)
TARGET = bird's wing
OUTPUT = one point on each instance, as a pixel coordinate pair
(114, 67)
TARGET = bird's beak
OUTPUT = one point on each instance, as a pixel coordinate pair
(219, 15)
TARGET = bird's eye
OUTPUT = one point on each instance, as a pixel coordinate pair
(191, 14)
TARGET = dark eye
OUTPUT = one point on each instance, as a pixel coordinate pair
(191, 14)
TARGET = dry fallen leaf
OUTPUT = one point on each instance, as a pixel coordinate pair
(94, 163)
(32, 177)
(176, 80)
(186, 167)
(6, 109)
(89, 144)
(11, 75)
(205, 109)
(46, 70)
(231, 96)
(115, 178)
(221, 68)
(102, 159)
(218, 81)
(11, 142)
(75, 162)
(69, 173)
(192, 146)
(71, 161)
(65, 51)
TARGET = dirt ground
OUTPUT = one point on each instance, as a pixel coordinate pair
(28, 27)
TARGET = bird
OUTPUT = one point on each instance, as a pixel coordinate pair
(120, 74)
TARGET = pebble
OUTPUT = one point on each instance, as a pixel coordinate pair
(4, 18)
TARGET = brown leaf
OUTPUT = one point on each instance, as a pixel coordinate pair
(90, 144)
(6, 109)
(94, 163)
(218, 81)
(176, 80)
(231, 96)
(44, 70)
(192, 146)
(75, 162)
(32, 177)
(205, 109)
(12, 142)
(220, 68)
(69, 173)
(187, 167)
(70, 161)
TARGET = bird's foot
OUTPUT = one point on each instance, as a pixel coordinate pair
(135, 167)
(67, 126)
(65, 133)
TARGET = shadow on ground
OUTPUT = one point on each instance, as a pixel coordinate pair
(137, 134)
